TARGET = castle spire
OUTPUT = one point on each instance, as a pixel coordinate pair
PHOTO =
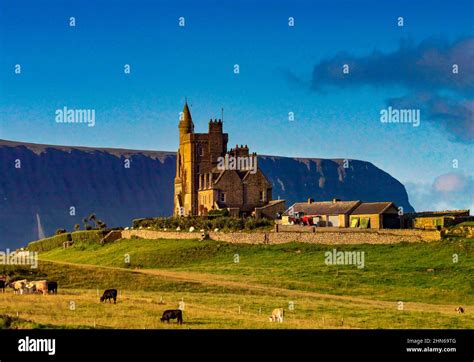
(186, 122)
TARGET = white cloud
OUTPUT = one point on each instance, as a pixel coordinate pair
(453, 190)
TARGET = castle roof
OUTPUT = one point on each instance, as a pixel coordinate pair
(186, 120)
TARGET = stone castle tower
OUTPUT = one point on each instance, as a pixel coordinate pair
(201, 185)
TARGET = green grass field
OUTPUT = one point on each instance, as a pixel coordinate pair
(219, 292)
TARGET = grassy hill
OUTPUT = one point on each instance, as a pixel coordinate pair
(391, 272)
(220, 293)
(80, 238)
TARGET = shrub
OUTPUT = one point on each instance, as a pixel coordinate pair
(207, 223)
(60, 231)
(78, 237)
(218, 213)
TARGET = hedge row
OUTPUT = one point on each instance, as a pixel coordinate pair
(78, 237)
(221, 223)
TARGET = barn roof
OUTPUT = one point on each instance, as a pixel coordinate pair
(442, 213)
(324, 207)
(372, 208)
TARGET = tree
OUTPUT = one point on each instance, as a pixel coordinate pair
(77, 227)
(93, 217)
(98, 224)
(101, 224)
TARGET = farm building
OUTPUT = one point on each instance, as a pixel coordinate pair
(344, 214)
(375, 215)
(438, 219)
(333, 213)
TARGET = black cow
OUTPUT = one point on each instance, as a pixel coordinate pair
(53, 287)
(172, 314)
(109, 294)
(3, 284)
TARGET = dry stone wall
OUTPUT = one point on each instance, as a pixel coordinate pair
(318, 237)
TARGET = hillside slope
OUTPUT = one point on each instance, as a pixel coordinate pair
(220, 293)
(52, 179)
(390, 271)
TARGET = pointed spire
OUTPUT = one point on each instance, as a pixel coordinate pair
(186, 122)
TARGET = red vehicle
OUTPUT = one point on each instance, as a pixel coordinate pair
(306, 220)
(301, 219)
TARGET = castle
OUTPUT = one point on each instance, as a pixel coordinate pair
(208, 177)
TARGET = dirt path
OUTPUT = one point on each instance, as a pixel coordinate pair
(220, 280)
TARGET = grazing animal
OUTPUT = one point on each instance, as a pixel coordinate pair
(18, 286)
(2, 285)
(277, 315)
(109, 294)
(41, 286)
(52, 287)
(30, 288)
(460, 310)
(172, 314)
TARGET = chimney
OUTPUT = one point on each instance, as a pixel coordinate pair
(310, 200)
(335, 200)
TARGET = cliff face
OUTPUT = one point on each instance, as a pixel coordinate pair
(296, 179)
(51, 180)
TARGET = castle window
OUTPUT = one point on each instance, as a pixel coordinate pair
(222, 197)
(201, 151)
(262, 195)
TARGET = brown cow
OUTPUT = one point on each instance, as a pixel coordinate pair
(19, 286)
(41, 286)
(277, 315)
(30, 288)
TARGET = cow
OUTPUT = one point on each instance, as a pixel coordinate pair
(52, 287)
(109, 294)
(30, 288)
(18, 286)
(277, 315)
(172, 314)
(459, 310)
(41, 286)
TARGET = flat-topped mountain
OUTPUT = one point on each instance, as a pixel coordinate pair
(46, 187)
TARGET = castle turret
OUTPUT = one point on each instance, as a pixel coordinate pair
(186, 124)
(239, 151)
(215, 126)
(217, 140)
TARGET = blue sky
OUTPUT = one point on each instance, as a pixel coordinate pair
(282, 69)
